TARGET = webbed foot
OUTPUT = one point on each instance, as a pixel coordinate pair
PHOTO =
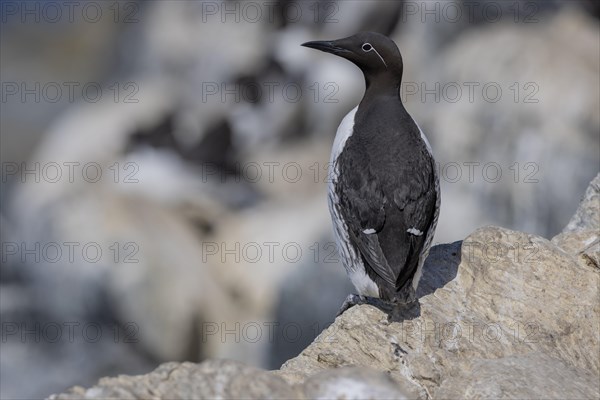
(355, 299)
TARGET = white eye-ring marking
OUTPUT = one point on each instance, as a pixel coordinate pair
(367, 47)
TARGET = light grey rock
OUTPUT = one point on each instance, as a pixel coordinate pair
(581, 237)
(529, 376)
(234, 380)
(584, 245)
(354, 383)
(209, 380)
(538, 299)
(588, 213)
(502, 314)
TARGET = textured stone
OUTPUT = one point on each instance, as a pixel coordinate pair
(581, 237)
(502, 314)
(231, 379)
(584, 245)
(354, 383)
(530, 376)
(588, 214)
(513, 294)
(211, 379)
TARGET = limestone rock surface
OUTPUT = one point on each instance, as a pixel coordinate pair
(501, 314)
(234, 380)
(581, 237)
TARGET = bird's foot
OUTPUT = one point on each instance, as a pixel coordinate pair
(397, 311)
(355, 299)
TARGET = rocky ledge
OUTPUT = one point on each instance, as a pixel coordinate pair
(502, 314)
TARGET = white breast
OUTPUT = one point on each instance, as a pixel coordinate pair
(344, 131)
(350, 258)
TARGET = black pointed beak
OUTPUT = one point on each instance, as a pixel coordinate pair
(328, 46)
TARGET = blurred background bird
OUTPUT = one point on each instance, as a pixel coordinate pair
(211, 130)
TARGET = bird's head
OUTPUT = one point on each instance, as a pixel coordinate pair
(375, 54)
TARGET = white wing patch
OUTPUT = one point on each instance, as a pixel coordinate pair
(414, 231)
(369, 231)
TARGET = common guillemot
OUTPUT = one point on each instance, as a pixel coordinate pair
(384, 195)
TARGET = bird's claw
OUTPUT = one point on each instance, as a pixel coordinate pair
(356, 299)
(351, 301)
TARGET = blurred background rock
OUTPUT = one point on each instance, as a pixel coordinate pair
(212, 133)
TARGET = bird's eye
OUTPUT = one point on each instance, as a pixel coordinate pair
(367, 47)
